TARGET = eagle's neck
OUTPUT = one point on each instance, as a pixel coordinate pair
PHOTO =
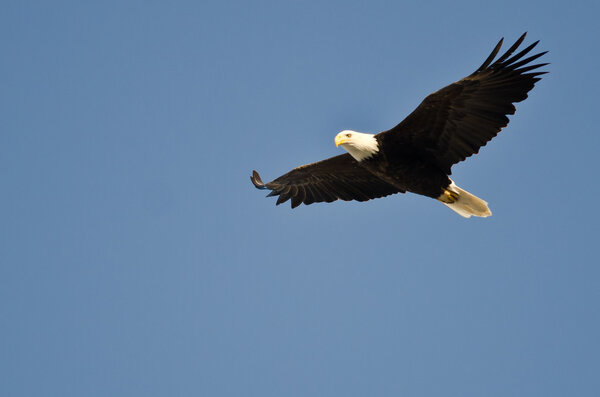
(361, 146)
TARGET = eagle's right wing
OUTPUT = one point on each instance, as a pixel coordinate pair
(339, 177)
(456, 121)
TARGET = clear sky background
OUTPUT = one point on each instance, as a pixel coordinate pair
(136, 258)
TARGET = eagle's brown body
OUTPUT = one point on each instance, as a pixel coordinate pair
(417, 155)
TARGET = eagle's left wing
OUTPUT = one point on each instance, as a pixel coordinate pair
(339, 177)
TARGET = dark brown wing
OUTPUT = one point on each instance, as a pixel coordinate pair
(454, 122)
(339, 177)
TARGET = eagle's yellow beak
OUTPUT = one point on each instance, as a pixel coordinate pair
(339, 139)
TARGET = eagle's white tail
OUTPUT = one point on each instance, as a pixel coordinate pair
(464, 203)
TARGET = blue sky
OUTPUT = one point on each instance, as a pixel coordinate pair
(136, 258)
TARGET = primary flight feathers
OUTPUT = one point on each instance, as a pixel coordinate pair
(417, 155)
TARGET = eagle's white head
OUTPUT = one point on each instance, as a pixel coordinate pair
(361, 146)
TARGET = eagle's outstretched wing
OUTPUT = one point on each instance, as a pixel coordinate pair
(454, 122)
(339, 177)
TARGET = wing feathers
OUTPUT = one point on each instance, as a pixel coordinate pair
(299, 197)
(339, 177)
(454, 122)
(255, 178)
(508, 62)
(511, 49)
(525, 61)
(528, 68)
(491, 57)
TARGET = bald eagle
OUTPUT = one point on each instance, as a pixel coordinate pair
(417, 155)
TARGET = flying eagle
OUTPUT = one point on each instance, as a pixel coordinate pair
(417, 155)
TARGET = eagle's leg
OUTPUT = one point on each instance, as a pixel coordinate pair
(448, 197)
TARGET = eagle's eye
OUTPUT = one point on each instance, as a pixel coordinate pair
(348, 135)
